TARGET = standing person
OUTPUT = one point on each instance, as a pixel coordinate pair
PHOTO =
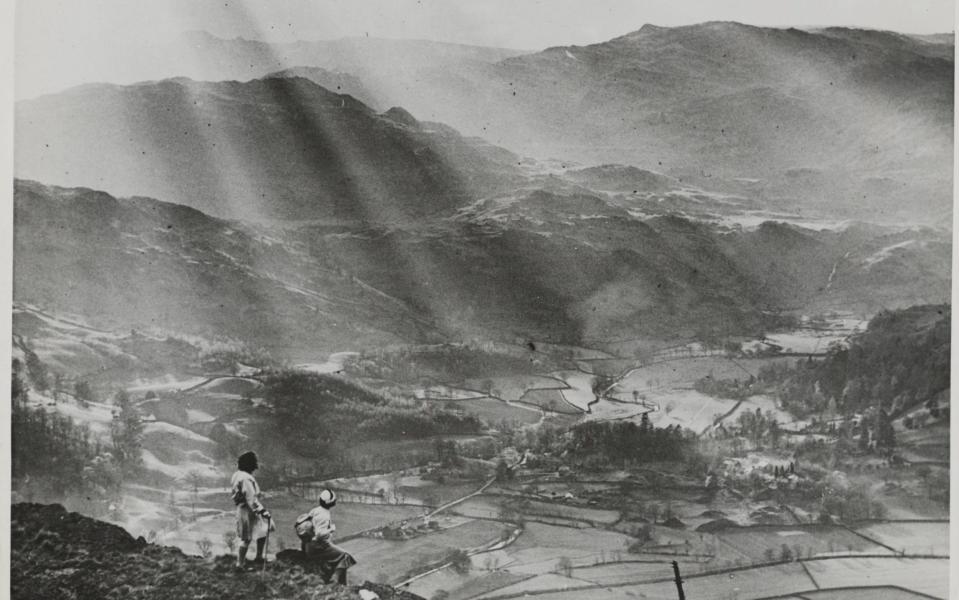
(315, 529)
(252, 520)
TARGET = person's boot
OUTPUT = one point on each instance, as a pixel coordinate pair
(339, 577)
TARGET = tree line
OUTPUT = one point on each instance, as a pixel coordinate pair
(54, 458)
(628, 443)
(900, 362)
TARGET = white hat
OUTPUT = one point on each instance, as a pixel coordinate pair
(327, 498)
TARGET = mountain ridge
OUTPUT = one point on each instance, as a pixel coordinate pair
(277, 147)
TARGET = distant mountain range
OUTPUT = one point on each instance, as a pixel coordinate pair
(845, 121)
(298, 217)
(854, 123)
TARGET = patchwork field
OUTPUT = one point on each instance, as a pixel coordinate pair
(566, 511)
(546, 581)
(924, 575)
(540, 546)
(624, 572)
(391, 560)
(740, 585)
(493, 411)
(462, 586)
(678, 372)
(604, 410)
(580, 393)
(551, 400)
(512, 389)
(445, 392)
(762, 543)
(766, 405)
(864, 593)
(911, 537)
(686, 408)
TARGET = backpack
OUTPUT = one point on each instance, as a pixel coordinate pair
(304, 527)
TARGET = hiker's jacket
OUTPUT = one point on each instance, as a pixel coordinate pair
(323, 526)
(246, 492)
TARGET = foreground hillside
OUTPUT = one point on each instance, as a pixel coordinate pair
(56, 554)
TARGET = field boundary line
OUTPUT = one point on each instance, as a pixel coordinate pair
(871, 540)
(809, 574)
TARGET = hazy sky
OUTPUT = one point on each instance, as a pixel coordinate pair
(526, 24)
(65, 42)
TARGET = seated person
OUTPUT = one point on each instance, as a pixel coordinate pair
(315, 530)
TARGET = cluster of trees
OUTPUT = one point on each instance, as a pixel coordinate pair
(321, 415)
(628, 442)
(848, 501)
(126, 435)
(900, 362)
(548, 438)
(230, 357)
(734, 389)
(55, 459)
(444, 362)
(35, 374)
(756, 426)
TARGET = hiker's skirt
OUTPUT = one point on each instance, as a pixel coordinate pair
(328, 557)
(249, 525)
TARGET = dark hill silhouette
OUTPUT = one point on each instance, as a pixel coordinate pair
(335, 81)
(276, 148)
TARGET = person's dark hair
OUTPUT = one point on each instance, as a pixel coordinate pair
(247, 462)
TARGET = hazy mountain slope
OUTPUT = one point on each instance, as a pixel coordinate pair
(867, 114)
(140, 263)
(555, 266)
(274, 148)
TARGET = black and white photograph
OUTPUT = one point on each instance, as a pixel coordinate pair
(479, 300)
